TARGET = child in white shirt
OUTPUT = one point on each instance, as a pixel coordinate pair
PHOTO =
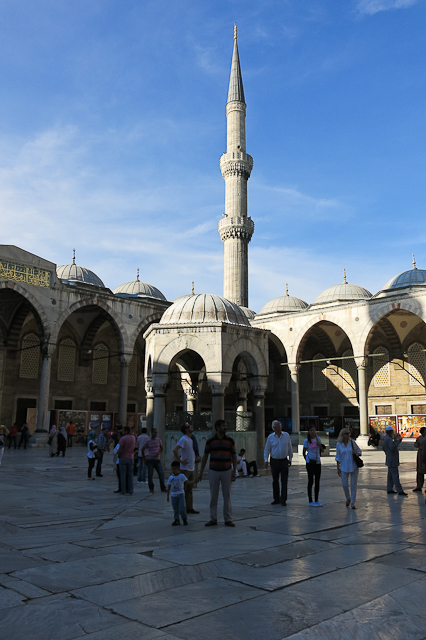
(176, 489)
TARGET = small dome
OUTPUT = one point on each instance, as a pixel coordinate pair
(413, 277)
(284, 304)
(69, 273)
(248, 313)
(203, 307)
(343, 293)
(138, 289)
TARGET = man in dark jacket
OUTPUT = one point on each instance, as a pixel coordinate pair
(390, 447)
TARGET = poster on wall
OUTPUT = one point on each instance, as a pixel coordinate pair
(94, 419)
(379, 423)
(409, 426)
(78, 418)
(106, 421)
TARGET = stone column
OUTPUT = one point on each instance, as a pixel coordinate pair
(124, 390)
(218, 403)
(149, 408)
(191, 402)
(363, 402)
(295, 403)
(242, 401)
(2, 368)
(43, 397)
(159, 383)
(259, 423)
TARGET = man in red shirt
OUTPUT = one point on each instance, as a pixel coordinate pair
(125, 456)
(70, 431)
(151, 452)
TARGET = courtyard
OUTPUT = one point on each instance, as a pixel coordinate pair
(80, 561)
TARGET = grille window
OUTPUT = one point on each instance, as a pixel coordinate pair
(416, 364)
(319, 377)
(100, 364)
(381, 368)
(66, 360)
(30, 356)
(349, 372)
(384, 410)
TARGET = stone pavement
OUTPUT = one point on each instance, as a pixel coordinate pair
(78, 561)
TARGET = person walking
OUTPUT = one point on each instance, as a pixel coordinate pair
(222, 470)
(12, 435)
(278, 448)
(70, 433)
(390, 447)
(346, 448)
(25, 436)
(176, 489)
(61, 441)
(91, 453)
(141, 464)
(103, 446)
(420, 467)
(126, 456)
(312, 448)
(152, 450)
(3, 434)
(184, 453)
(51, 440)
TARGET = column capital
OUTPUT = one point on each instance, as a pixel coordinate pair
(294, 368)
(258, 385)
(159, 383)
(217, 388)
(361, 362)
(125, 358)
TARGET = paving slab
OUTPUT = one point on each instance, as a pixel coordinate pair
(10, 598)
(129, 631)
(274, 555)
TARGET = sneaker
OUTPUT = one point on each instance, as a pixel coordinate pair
(139, 481)
(210, 523)
(251, 475)
(348, 502)
(416, 489)
(318, 504)
(353, 506)
(144, 481)
(229, 523)
(402, 493)
(392, 491)
(185, 522)
(175, 523)
(90, 478)
(312, 504)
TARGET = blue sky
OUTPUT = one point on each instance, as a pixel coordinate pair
(112, 123)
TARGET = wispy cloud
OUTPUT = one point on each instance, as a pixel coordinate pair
(370, 7)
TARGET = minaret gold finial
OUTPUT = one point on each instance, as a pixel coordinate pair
(286, 289)
(73, 256)
(235, 31)
(192, 288)
(344, 277)
(414, 262)
(137, 275)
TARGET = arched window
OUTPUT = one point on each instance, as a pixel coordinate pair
(349, 371)
(66, 360)
(30, 356)
(319, 373)
(381, 367)
(416, 364)
(100, 364)
(133, 371)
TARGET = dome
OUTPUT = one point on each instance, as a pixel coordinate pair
(284, 304)
(71, 273)
(138, 289)
(411, 278)
(203, 307)
(343, 293)
(248, 313)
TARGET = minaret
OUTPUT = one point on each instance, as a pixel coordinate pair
(235, 228)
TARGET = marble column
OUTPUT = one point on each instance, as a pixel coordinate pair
(149, 408)
(124, 389)
(259, 423)
(218, 403)
(295, 403)
(43, 398)
(191, 402)
(160, 412)
(363, 399)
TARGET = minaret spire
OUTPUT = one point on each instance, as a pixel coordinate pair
(236, 228)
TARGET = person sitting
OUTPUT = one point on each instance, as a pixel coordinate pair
(241, 463)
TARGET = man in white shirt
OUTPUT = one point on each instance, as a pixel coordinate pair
(141, 464)
(278, 448)
(187, 463)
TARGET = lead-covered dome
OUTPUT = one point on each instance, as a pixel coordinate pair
(249, 313)
(73, 273)
(284, 304)
(412, 278)
(344, 292)
(138, 289)
(203, 307)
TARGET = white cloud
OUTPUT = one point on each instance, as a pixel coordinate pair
(370, 7)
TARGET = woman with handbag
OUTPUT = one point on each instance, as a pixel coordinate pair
(312, 448)
(348, 461)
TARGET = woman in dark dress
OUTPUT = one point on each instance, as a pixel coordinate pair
(62, 441)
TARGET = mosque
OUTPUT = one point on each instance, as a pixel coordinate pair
(72, 349)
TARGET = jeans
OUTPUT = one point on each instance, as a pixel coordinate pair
(314, 472)
(23, 441)
(393, 480)
(345, 484)
(126, 475)
(252, 465)
(141, 470)
(178, 504)
(279, 469)
(155, 464)
(223, 478)
(12, 439)
(190, 475)
(69, 440)
(100, 457)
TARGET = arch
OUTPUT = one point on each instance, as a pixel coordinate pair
(254, 359)
(116, 323)
(143, 326)
(181, 344)
(40, 315)
(304, 334)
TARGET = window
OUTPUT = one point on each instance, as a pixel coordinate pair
(351, 412)
(30, 356)
(97, 406)
(131, 408)
(133, 371)
(349, 372)
(381, 367)
(100, 365)
(66, 360)
(384, 410)
(63, 404)
(321, 412)
(418, 408)
(416, 364)
(319, 377)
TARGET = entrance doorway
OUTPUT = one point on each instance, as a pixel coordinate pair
(22, 404)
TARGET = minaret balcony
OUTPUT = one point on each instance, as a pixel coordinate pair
(236, 227)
